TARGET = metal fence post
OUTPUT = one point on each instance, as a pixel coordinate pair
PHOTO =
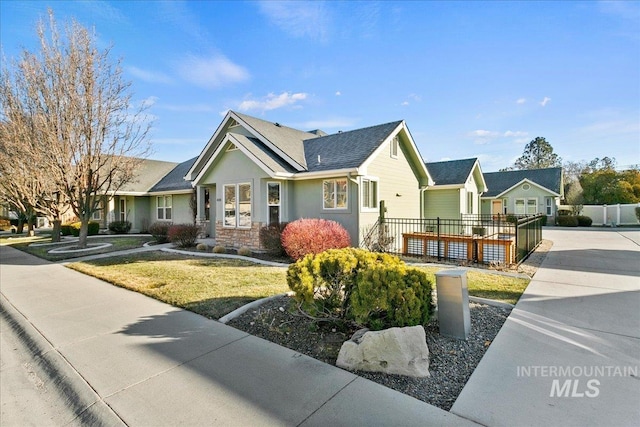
(438, 241)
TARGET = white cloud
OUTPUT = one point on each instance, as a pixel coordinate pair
(338, 93)
(213, 72)
(299, 18)
(545, 101)
(481, 133)
(521, 101)
(510, 134)
(149, 76)
(149, 102)
(415, 97)
(405, 103)
(272, 101)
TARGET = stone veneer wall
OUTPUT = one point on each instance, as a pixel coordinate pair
(239, 237)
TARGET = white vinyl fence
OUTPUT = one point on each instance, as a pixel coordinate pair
(611, 215)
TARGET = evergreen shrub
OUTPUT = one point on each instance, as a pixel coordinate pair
(120, 227)
(160, 231)
(351, 284)
(312, 236)
(567, 221)
(74, 228)
(584, 221)
(183, 235)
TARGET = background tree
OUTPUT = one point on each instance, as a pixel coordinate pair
(538, 154)
(608, 186)
(82, 113)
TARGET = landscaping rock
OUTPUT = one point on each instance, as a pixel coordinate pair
(400, 351)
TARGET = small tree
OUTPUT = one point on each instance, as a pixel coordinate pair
(79, 114)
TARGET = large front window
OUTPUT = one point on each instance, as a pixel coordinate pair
(334, 194)
(163, 204)
(237, 205)
(273, 202)
(526, 206)
(520, 206)
(532, 206)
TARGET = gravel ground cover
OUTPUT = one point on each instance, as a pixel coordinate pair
(451, 361)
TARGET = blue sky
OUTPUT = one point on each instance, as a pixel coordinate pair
(471, 79)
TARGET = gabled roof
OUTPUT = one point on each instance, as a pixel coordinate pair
(451, 172)
(174, 180)
(500, 182)
(282, 151)
(345, 150)
(148, 173)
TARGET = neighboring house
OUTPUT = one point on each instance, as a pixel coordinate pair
(457, 189)
(524, 192)
(259, 173)
(158, 193)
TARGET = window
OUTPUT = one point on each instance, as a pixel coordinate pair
(334, 194)
(163, 204)
(469, 202)
(549, 205)
(369, 194)
(97, 214)
(526, 206)
(123, 209)
(237, 205)
(520, 207)
(526, 187)
(505, 205)
(273, 202)
(532, 206)
(207, 205)
(394, 147)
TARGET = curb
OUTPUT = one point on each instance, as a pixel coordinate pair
(229, 256)
(241, 310)
(491, 302)
(84, 405)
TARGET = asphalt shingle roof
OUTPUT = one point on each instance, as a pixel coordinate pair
(452, 172)
(174, 180)
(148, 173)
(345, 149)
(497, 182)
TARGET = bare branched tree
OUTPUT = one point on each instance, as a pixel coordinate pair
(91, 137)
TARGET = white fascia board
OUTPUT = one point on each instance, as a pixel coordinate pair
(201, 157)
(435, 186)
(163, 193)
(230, 138)
(297, 166)
(128, 193)
(328, 173)
(477, 165)
(528, 181)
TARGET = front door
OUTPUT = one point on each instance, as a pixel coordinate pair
(123, 209)
(496, 207)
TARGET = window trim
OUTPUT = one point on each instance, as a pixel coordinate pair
(395, 147)
(279, 204)
(164, 208)
(335, 194)
(548, 206)
(237, 204)
(526, 205)
(369, 180)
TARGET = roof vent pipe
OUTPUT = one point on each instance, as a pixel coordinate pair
(277, 124)
(318, 158)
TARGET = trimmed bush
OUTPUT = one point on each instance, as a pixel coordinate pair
(120, 227)
(183, 235)
(584, 221)
(160, 231)
(313, 236)
(544, 220)
(65, 229)
(271, 238)
(376, 290)
(567, 221)
(245, 251)
(219, 249)
(389, 296)
(202, 247)
(74, 228)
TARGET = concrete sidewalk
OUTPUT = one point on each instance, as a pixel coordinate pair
(123, 358)
(569, 353)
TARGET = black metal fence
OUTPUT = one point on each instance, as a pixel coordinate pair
(486, 239)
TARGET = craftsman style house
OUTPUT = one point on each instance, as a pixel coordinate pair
(457, 189)
(253, 173)
(524, 192)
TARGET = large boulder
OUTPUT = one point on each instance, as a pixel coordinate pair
(401, 351)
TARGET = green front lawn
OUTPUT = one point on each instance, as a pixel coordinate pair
(42, 251)
(212, 287)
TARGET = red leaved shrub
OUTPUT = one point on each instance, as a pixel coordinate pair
(312, 236)
(183, 235)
